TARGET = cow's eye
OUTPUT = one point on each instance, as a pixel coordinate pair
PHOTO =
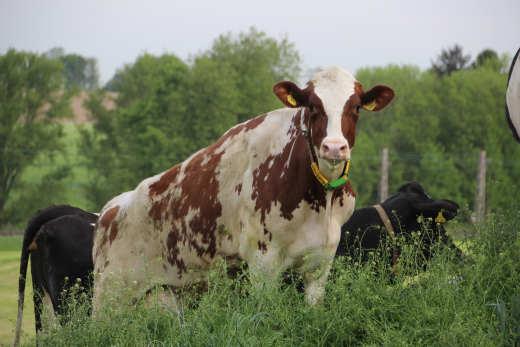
(357, 108)
(311, 108)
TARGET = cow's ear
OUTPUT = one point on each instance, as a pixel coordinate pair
(431, 209)
(377, 98)
(290, 94)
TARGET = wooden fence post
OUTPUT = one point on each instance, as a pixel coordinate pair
(384, 175)
(480, 197)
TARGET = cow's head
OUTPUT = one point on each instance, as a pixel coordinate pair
(411, 200)
(332, 101)
(417, 211)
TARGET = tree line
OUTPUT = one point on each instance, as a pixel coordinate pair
(168, 108)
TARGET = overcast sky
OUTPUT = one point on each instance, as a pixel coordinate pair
(349, 34)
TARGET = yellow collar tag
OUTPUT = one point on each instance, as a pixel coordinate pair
(318, 174)
(370, 106)
(291, 100)
(440, 218)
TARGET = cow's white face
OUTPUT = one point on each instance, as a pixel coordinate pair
(332, 101)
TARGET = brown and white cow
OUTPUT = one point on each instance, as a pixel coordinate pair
(246, 197)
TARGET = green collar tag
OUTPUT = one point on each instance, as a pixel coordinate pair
(334, 184)
(337, 183)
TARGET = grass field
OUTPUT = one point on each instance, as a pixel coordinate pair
(447, 305)
(10, 247)
(76, 182)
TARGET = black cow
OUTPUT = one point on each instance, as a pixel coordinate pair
(365, 228)
(513, 98)
(59, 242)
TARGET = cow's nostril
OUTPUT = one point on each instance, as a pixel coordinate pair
(343, 148)
(326, 148)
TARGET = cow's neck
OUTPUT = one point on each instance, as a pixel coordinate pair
(313, 191)
(330, 169)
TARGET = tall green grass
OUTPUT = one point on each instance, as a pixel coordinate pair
(446, 304)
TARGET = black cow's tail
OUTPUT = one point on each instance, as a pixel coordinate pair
(40, 218)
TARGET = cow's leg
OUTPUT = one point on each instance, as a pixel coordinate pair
(314, 283)
(48, 309)
(264, 269)
(38, 307)
(165, 296)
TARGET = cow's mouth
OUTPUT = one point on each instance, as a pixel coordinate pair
(334, 163)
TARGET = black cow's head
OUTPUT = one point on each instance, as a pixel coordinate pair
(412, 210)
(409, 210)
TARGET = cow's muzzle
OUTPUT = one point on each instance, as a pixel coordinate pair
(334, 151)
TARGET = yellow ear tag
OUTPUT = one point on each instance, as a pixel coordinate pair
(370, 106)
(291, 100)
(440, 218)
(396, 269)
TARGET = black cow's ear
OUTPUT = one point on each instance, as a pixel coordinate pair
(290, 94)
(377, 98)
(431, 209)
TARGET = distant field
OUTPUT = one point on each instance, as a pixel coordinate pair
(10, 247)
(75, 194)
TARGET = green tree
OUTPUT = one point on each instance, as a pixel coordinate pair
(74, 70)
(30, 101)
(79, 71)
(259, 63)
(91, 74)
(450, 60)
(165, 112)
(141, 136)
(472, 114)
(212, 101)
(434, 130)
(488, 58)
(406, 127)
(167, 109)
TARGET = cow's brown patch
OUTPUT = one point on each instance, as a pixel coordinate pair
(262, 247)
(114, 229)
(174, 252)
(358, 88)
(164, 182)
(287, 184)
(33, 246)
(198, 193)
(339, 194)
(108, 217)
(238, 188)
(316, 121)
(159, 208)
(106, 221)
(350, 118)
(253, 123)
